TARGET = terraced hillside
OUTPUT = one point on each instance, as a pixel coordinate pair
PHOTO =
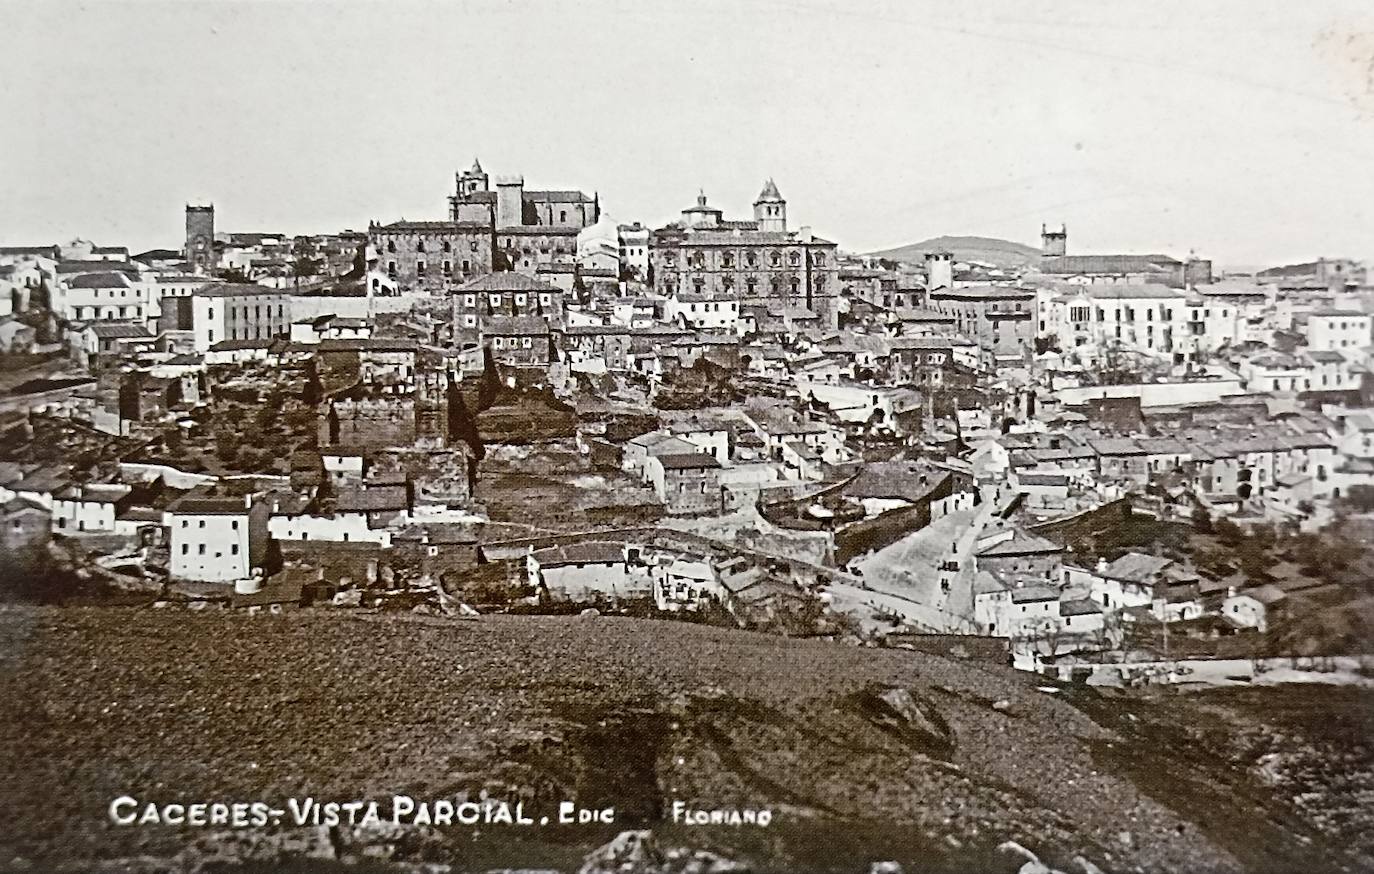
(862, 754)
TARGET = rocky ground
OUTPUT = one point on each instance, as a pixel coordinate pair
(862, 755)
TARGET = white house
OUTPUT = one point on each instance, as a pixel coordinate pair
(582, 571)
(217, 538)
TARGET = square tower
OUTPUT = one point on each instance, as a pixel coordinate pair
(200, 238)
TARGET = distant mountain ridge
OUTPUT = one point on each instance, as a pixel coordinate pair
(1003, 253)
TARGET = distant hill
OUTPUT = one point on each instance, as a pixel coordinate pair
(1003, 253)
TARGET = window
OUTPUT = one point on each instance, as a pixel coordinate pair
(391, 245)
(185, 549)
(473, 245)
(469, 300)
(201, 524)
(185, 524)
(420, 246)
(448, 247)
(466, 267)
(201, 549)
(419, 268)
(234, 549)
(448, 268)
(234, 524)
(562, 215)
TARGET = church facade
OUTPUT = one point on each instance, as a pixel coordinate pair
(505, 227)
(750, 262)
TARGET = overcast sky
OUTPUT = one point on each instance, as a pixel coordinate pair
(1243, 130)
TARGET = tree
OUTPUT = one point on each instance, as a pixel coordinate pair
(236, 275)
(1228, 532)
(1360, 498)
(1202, 519)
(302, 268)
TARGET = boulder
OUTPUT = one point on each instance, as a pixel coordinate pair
(910, 717)
(630, 852)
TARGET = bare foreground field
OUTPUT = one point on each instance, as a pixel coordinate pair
(175, 706)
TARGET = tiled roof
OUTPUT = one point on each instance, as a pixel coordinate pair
(237, 289)
(983, 292)
(507, 280)
(555, 196)
(591, 552)
(1079, 607)
(1136, 567)
(1074, 264)
(687, 460)
(1022, 544)
(369, 500)
(117, 331)
(432, 227)
(1034, 593)
(99, 280)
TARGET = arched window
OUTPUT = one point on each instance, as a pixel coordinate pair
(774, 259)
(794, 258)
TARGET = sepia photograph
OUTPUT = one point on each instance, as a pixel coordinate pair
(723, 437)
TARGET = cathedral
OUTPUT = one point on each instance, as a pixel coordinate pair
(509, 228)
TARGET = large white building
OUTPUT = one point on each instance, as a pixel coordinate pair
(1153, 320)
(238, 312)
(1338, 330)
(634, 249)
(217, 538)
(104, 296)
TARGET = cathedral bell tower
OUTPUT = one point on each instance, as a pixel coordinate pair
(770, 210)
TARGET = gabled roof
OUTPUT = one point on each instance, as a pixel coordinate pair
(1027, 594)
(687, 460)
(1023, 543)
(1136, 567)
(371, 500)
(99, 280)
(589, 552)
(119, 331)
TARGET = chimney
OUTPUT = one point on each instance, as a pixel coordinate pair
(805, 234)
(1101, 565)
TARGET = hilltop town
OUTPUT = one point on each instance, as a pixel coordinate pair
(528, 406)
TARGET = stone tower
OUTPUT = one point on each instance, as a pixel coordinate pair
(472, 180)
(200, 238)
(939, 270)
(1054, 244)
(510, 201)
(770, 210)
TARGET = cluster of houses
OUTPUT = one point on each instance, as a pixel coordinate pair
(738, 371)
